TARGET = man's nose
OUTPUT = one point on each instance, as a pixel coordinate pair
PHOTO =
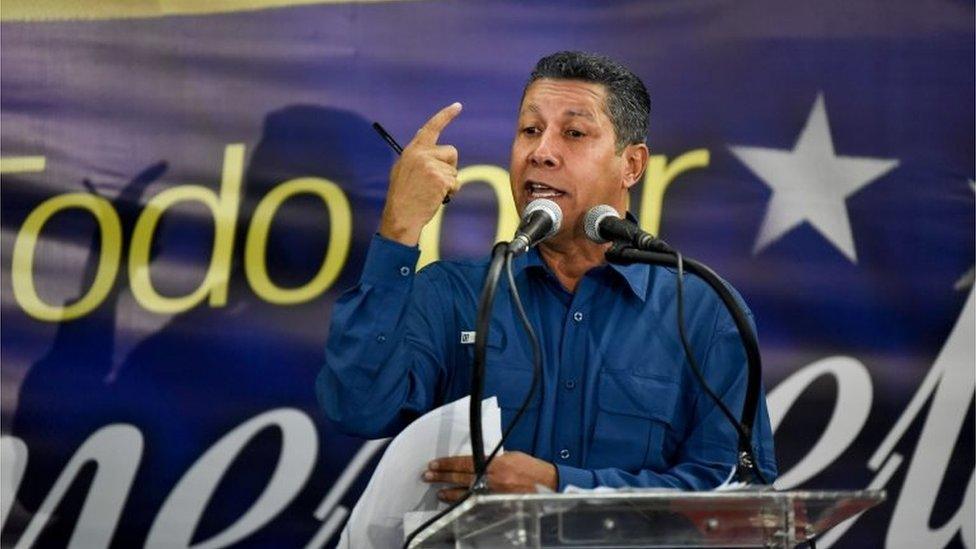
(545, 153)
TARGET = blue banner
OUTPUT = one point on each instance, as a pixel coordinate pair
(186, 191)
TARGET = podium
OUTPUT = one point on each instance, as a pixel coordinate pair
(748, 518)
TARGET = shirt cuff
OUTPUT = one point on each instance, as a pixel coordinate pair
(389, 263)
(574, 476)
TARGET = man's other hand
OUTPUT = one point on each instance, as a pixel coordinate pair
(423, 175)
(508, 473)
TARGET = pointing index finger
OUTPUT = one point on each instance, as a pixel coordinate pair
(430, 132)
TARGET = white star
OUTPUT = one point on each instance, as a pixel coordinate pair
(811, 183)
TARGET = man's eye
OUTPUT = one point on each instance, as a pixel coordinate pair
(530, 130)
(575, 133)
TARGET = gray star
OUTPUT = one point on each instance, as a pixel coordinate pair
(811, 183)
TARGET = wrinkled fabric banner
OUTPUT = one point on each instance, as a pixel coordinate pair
(184, 195)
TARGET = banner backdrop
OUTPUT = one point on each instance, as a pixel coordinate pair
(185, 194)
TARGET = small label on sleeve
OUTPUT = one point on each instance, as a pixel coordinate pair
(467, 338)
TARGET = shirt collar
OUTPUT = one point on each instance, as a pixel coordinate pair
(635, 275)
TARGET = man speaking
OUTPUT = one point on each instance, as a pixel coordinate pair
(618, 405)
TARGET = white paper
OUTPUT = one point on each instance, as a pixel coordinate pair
(396, 487)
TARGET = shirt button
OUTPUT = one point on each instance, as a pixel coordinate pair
(570, 384)
(404, 271)
(577, 316)
(381, 338)
(564, 453)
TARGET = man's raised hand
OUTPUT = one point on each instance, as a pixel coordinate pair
(423, 175)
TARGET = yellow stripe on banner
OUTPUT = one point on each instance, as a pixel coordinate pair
(22, 164)
(67, 10)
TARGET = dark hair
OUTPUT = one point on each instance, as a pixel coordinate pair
(628, 104)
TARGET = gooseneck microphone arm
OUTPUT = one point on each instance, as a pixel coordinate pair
(540, 220)
(501, 260)
(632, 245)
(747, 469)
(482, 325)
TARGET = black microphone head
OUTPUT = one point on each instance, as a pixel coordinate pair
(591, 223)
(550, 209)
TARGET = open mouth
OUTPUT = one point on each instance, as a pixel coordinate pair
(541, 190)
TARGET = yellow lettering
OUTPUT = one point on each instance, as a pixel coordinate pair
(22, 164)
(659, 175)
(508, 219)
(22, 270)
(224, 210)
(340, 216)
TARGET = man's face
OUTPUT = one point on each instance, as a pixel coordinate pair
(564, 150)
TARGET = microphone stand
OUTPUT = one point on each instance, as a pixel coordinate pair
(746, 468)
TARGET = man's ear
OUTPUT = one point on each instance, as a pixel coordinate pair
(635, 162)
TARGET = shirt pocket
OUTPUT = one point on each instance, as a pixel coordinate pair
(496, 348)
(633, 416)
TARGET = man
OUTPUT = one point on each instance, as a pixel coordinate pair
(618, 404)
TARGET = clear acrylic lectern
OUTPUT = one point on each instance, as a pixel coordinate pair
(645, 519)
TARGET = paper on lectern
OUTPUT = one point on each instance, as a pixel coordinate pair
(396, 488)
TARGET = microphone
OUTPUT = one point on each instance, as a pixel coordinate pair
(603, 224)
(540, 220)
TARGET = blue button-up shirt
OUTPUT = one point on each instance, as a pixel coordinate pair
(618, 405)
